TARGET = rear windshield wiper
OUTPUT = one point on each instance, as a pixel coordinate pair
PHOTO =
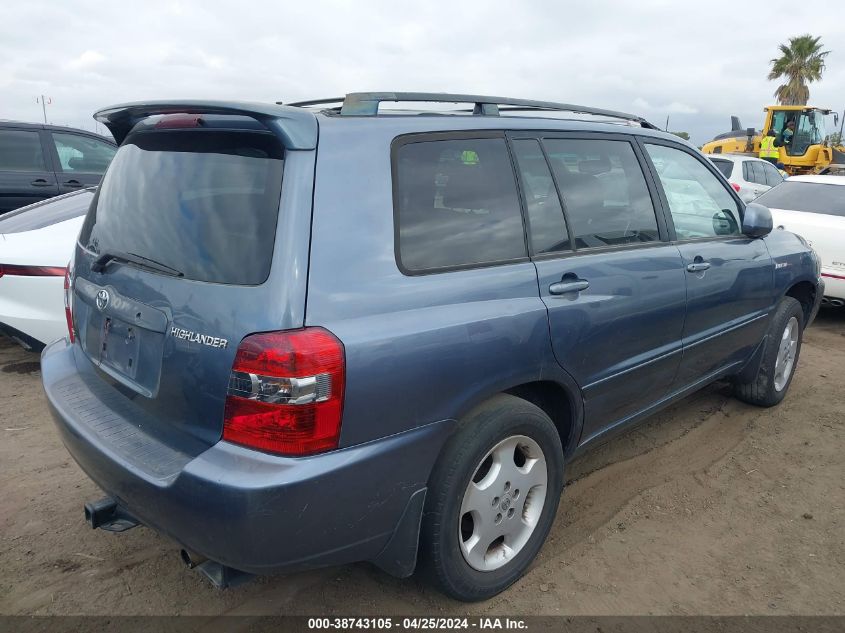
(104, 259)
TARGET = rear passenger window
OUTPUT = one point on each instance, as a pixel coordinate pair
(546, 225)
(20, 150)
(457, 204)
(604, 192)
(773, 176)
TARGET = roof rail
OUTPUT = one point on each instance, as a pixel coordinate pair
(367, 104)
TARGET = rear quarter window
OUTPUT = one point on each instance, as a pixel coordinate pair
(724, 166)
(456, 204)
(199, 201)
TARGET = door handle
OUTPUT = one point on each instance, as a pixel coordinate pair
(568, 284)
(40, 182)
(72, 183)
(697, 267)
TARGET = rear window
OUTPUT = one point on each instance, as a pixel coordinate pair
(202, 202)
(724, 166)
(46, 213)
(457, 204)
(811, 197)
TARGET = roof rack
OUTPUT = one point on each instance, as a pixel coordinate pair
(367, 104)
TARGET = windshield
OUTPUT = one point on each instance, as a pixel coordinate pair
(811, 197)
(204, 203)
(810, 129)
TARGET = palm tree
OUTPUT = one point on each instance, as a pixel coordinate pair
(800, 63)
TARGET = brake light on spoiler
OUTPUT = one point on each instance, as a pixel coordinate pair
(285, 392)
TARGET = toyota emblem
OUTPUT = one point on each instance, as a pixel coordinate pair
(102, 300)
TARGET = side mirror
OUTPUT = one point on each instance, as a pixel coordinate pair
(757, 221)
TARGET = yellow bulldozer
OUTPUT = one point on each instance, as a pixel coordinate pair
(809, 151)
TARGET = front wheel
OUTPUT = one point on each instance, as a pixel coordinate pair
(780, 357)
(492, 499)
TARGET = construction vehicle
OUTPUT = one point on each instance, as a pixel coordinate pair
(809, 151)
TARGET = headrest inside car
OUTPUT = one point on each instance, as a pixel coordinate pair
(594, 166)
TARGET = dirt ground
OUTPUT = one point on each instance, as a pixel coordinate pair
(711, 507)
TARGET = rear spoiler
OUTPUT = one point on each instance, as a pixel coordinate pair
(296, 127)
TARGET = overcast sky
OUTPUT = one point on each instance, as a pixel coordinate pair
(698, 62)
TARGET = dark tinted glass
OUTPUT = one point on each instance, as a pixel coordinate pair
(202, 202)
(82, 153)
(773, 176)
(806, 196)
(724, 166)
(457, 204)
(546, 225)
(604, 192)
(757, 173)
(20, 150)
(51, 211)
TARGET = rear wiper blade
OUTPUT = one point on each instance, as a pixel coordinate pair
(104, 259)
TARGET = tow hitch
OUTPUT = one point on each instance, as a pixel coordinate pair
(107, 515)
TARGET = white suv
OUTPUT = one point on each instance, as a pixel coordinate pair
(749, 176)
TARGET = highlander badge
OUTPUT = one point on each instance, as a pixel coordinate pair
(195, 337)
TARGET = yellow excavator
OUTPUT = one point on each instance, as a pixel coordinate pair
(808, 152)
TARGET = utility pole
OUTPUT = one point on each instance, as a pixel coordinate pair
(667, 123)
(44, 103)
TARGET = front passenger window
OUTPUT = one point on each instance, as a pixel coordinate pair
(700, 204)
(79, 153)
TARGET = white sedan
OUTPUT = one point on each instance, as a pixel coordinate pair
(36, 243)
(814, 208)
(750, 177)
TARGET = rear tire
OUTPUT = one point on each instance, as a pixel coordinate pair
(780, 357)
(492, 499)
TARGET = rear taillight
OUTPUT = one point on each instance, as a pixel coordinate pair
(69, 302)
(285, 392)
(736, 187)
(31, 271)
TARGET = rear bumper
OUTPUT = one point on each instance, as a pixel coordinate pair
(834, 284)
(245, 509)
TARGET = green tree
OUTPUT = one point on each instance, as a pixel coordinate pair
(800, 63)
(683, 135)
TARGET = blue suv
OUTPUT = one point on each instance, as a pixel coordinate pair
(325, 332)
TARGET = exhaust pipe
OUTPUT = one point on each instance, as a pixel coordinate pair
(837, 303)
(220, 575)
(192, 560)
(107, 515)
(825, 301)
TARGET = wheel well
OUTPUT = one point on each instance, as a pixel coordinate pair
(555, 403)
(805, 293)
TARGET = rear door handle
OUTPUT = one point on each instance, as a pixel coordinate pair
(697, 267)
(563, 287)
(72, 183)
(40, 182)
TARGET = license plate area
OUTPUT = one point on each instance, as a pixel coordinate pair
(119, 345)
(125, 338)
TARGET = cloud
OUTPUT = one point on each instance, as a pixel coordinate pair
(87, 55)
(674, 107)
(85, 60)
